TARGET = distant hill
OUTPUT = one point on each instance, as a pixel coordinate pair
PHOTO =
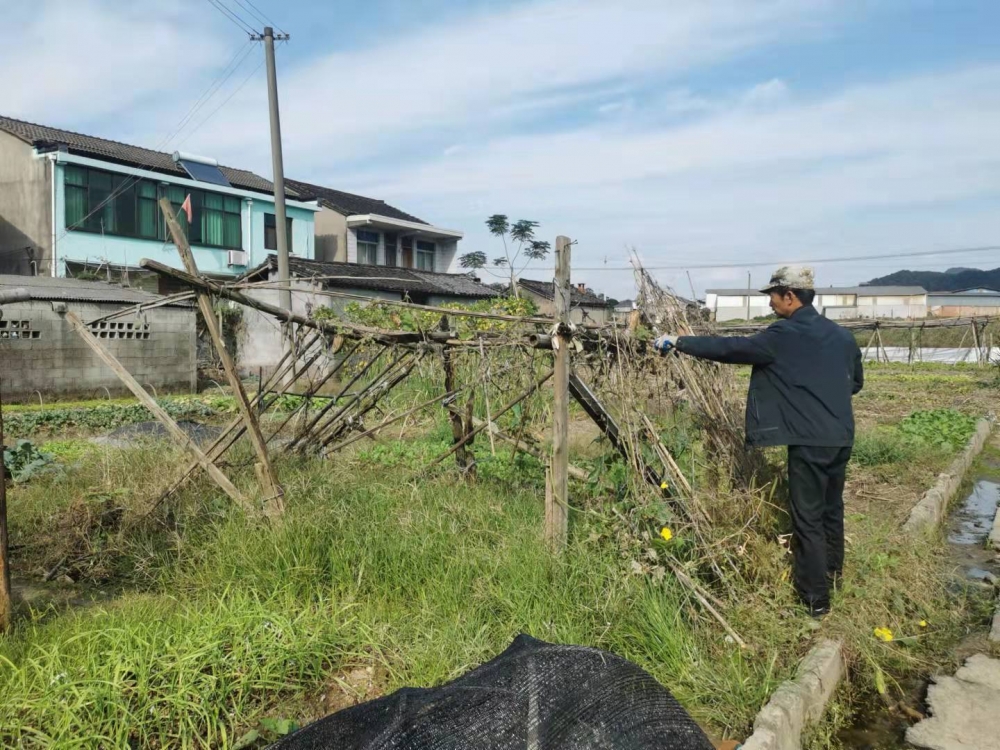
(938, 281)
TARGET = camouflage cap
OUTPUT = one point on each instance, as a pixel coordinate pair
(791, 277)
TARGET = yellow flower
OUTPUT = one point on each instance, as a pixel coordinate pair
(923, 623)
(667, 534)
(663, 485)
(883, 634)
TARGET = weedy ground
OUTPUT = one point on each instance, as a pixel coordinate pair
(385, 573)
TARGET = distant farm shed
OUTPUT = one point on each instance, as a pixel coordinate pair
(964, 303)
(39, 351)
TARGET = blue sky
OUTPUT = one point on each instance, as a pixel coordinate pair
(699, 132)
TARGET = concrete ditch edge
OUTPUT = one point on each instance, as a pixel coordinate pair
(800, 701)
(930, 511)
(995, 631)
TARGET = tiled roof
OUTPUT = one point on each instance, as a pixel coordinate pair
(123, 153)
(349, 204)
(547, 289)
(77, 290)
(382, 278)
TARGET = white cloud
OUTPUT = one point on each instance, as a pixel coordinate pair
(767, 93)
(884, 167)
(72, 61)
(487, 68)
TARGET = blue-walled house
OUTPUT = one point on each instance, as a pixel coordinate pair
(76, 205)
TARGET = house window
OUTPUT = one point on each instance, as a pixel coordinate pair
(367, 247)
(124, 206)
(390, 249)
(425, 255)
(271, 232)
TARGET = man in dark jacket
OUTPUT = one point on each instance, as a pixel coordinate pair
(806, 368)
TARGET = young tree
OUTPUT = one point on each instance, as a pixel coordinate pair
(519, 248)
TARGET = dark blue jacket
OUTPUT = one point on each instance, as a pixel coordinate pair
(805, 370)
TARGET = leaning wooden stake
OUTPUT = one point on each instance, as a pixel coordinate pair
(975, 342)
(235, 429)
(6, 600)
(506, 408)
(885, 354)
(557, 503)
(150, 403)
(870, 342)
(274, 504)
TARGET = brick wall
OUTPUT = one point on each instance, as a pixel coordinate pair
(39, 351)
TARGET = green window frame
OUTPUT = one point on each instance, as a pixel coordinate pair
(119, 205)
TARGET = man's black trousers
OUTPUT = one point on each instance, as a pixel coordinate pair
(816, 500)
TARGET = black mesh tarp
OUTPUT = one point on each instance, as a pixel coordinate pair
(534, 696)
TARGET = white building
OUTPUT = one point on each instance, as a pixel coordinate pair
(833, 302)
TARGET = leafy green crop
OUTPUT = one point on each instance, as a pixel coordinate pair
(943, 428)
(101, 417)
(24, 461)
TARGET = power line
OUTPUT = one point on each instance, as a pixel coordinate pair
(267, 20)
(235, 18)
(773, 263)
(252, 12)
(225, 102)
(241, 54)
(227, 74)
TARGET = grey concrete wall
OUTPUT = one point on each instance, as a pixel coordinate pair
(46, 355)
(25, 215)
(740, 313)
(331, 236)
(259, 340)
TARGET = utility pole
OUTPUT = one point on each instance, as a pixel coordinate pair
(278, 164)
(749, 292)
(6, 600)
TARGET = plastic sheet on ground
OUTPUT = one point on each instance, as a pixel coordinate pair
(534, 696)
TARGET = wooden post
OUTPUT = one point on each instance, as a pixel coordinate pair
(557, 502)
(868, 348)
(150, 403)
(885, 354)
(6, 601)
(458, 431)
(912, 347)
(975, 342)
(273, 496)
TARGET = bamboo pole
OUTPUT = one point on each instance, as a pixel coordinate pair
(506, 408)
(234, 430)
(378, 390)
(309, 428)
(150, 403)
(273, 495)
(313, 390)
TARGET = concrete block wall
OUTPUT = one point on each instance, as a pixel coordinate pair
(259, 339)
(49, 357)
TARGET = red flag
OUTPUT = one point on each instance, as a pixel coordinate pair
(186, 207)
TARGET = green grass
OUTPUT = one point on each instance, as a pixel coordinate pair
(382, 563)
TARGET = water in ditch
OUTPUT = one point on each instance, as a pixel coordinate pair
(968, 528)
